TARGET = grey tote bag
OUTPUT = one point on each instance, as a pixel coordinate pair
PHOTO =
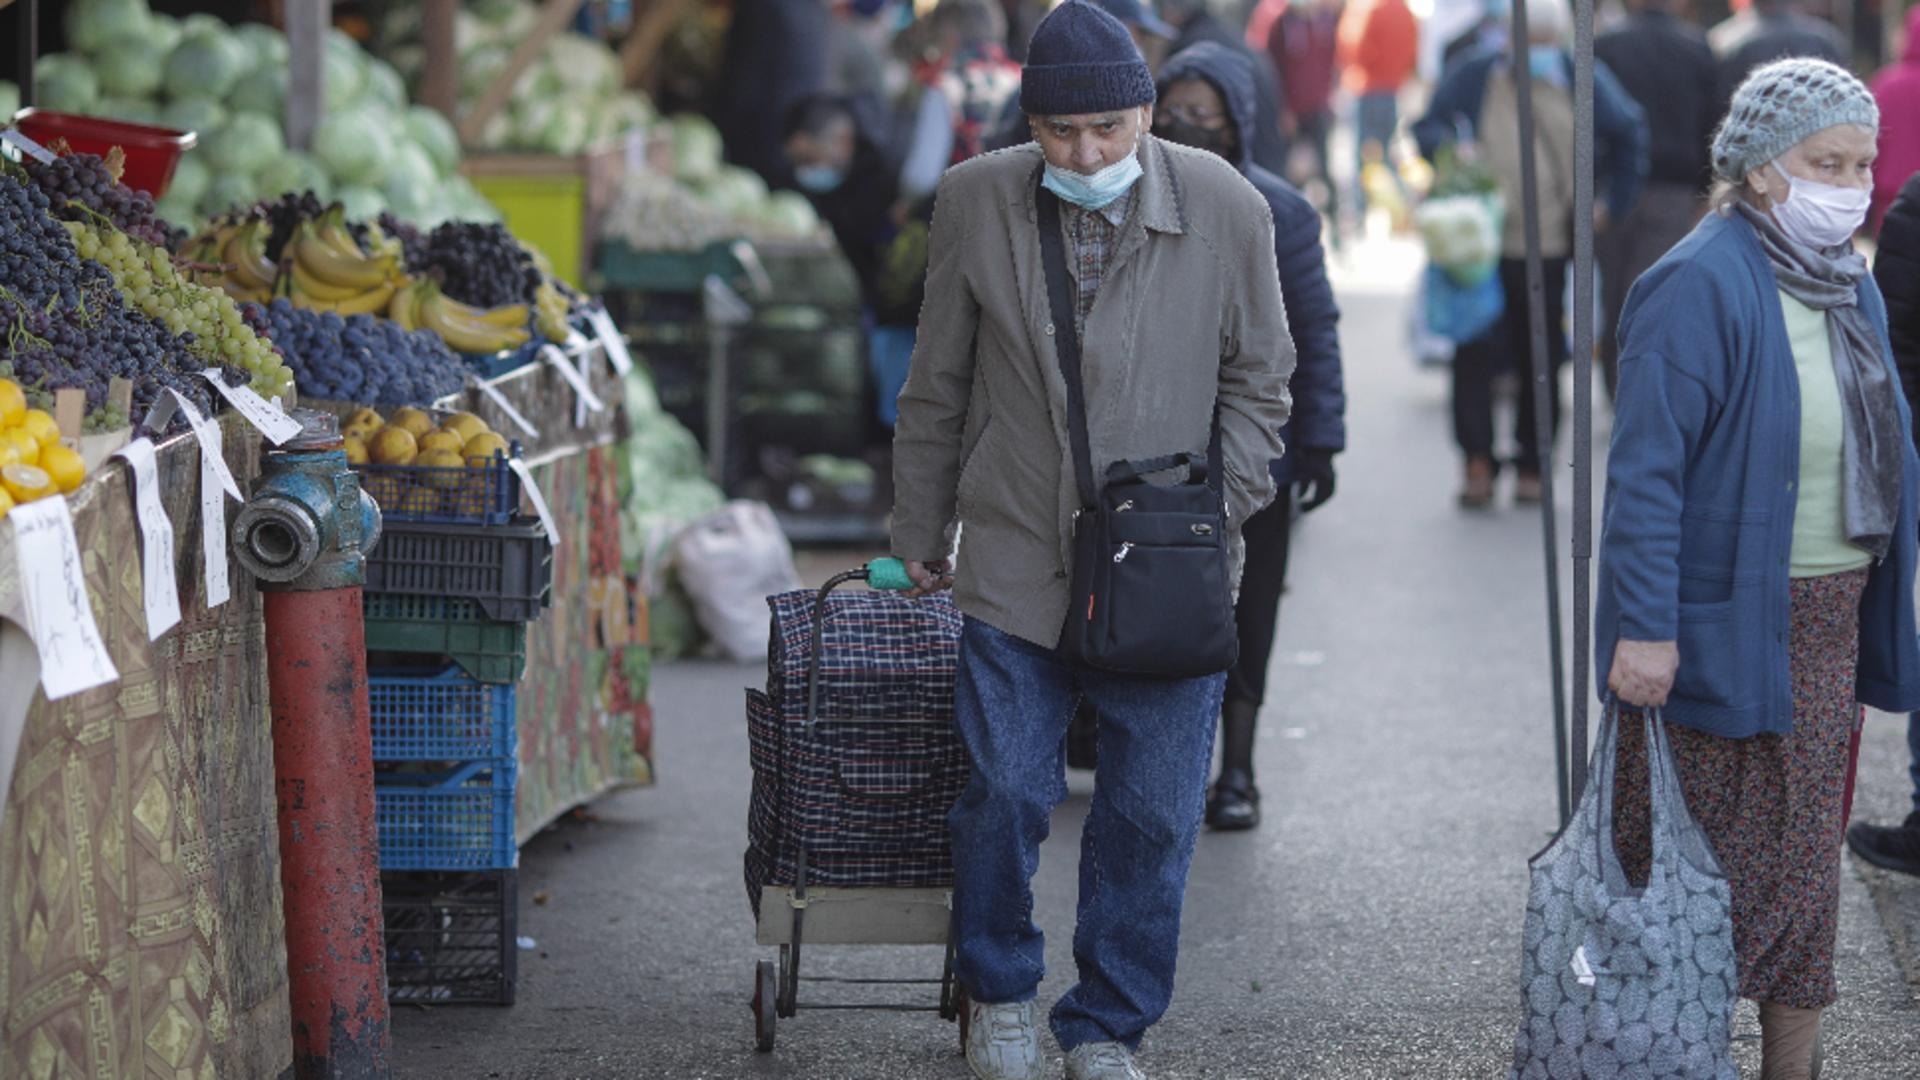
(1619, 983)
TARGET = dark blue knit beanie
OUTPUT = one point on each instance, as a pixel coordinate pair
(1082, 60)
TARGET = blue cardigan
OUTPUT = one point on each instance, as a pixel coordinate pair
(1700, 495)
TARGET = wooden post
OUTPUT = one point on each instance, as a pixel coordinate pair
(554, 16)
(307, 23)
(440, 81)
(650, 31)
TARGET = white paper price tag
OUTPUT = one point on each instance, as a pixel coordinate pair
(158, 587)
(27, 146)
(539, 501)
(53, 584)
(552, 355)
(276, 425)
(203, 430)
(216, 482)
(488, 391)
(612, 339)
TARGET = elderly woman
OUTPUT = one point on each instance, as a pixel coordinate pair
(1757, 566)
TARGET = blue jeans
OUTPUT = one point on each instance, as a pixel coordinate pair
(1012, 703)
(1376, 120)
(889, 355)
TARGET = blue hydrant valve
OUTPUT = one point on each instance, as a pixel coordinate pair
(308, 525)
(888, 575)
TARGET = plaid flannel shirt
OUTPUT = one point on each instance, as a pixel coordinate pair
(1090, 236)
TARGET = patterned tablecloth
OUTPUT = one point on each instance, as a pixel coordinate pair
(139, 858)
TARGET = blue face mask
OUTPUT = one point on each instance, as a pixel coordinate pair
(1095, 191)
(1546, 65)
(818, 179)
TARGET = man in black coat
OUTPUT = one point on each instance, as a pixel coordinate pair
(1896, 269)
(1666, 66)
(1197, 24)
(777, 53)
(1778, 29)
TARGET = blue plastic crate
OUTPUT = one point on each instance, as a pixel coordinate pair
(462, 495)
(458, 820)
(439, 715)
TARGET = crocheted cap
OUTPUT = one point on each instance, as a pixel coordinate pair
(1082, 60)
(1782, 103)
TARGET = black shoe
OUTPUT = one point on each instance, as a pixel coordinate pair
(1889, 847)
(1234, 804)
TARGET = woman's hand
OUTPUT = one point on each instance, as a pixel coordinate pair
(1643, 672)
(930, 577)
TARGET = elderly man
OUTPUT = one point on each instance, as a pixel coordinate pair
(1177, 310)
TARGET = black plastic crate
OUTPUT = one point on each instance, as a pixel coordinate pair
(506, 569)
(451, 938)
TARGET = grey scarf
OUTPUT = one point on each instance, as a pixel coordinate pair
(1874, 447)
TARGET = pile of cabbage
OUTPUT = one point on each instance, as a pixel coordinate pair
(703, 201)
(373, 151)
(568, 100)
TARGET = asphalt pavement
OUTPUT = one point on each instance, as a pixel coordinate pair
(1369, 929)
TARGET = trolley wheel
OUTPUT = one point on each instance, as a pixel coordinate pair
(765, 1007)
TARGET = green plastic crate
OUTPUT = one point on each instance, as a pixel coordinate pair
(623, 267)
(490, 651)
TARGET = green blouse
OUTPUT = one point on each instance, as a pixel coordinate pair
(1819, 535)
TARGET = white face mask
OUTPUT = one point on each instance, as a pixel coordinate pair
(1820, 215)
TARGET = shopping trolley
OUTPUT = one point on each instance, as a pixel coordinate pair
(855, 767)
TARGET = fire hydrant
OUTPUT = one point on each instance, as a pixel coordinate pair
(305, 534)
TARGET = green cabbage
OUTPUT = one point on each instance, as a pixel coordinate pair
(362, 203)
(201, 23)
(227, 191)
(436, 136)
(566, 131)
(191, 179)
(163, 32)
(346, 75)
(64, 83)
(696, 148)
(205, 64)
(478, 70)
(790, 214)
(262, 90)
(583, 65)
(130, 67)
(413, 183)
(354, 146)
(176, 211)
(246, 143)
(265, 44)
(294, 171)
(92, 25)
(194, 114)
(385, 86)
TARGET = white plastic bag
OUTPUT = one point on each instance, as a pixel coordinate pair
(730, 561)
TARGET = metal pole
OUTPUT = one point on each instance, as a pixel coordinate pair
(1543, 390)
(307, 23)
(1583, 329)
(28, 25)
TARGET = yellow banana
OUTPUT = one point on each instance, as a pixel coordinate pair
(405, 307)
(306, 284)
(365, 303)
(246, 252)
(507, 315)
(324, 262)
(463, 334)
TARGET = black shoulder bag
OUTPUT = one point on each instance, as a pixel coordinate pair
(1151, 588)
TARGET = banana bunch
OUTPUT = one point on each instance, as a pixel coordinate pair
(551, 309)
(241, 247)
(328, 270)
(420, 305)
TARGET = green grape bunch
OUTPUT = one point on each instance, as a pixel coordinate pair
(146, 276)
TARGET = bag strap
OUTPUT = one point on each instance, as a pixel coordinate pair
(1066, 343)
(1066, 346)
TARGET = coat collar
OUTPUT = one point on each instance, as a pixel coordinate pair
(1162, 201)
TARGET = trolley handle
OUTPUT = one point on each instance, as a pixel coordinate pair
(887, 575)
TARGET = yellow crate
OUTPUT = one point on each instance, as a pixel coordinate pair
(552, 204)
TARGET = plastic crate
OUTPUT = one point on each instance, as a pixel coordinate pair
(492, 652)
(494, 365)
(623, 267)
(457, 820)
(451, 938)
(439, 716)
(506, 569)
(487, 495)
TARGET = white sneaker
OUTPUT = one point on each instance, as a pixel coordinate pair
(1002, 1041)
(1102, 1061)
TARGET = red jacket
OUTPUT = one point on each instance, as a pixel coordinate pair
(1379, 46)
(1303, 42)
(1897, 89)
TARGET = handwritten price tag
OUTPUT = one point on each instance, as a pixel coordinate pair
(552, 355)
(160, 590)
(539, 501)
(216, 482)
(206, 432)
(276, 425)
(612, 339)
(53, 583)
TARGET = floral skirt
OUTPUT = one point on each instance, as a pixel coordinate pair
(1774, 806)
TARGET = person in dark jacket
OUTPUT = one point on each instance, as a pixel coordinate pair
(853, 182)
(1478, 101)
(1666, 66)
(777, 53)
(1197, 24)
(1207, 101)
(1896, 269)
(1777, 29)
(1304, 44)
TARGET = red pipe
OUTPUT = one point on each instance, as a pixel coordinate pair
(329, 850)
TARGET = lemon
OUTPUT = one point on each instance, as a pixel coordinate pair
(468, 425)
(63, 466)
(441, 458)
(420, 502)
(393, 446)
(480, 449)
(415, 422)
(366, 416)
(40, 424)
(13, 403)
(26, 482)
(27, 446)
(356, 450)
(9, 453)
(442, 440)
